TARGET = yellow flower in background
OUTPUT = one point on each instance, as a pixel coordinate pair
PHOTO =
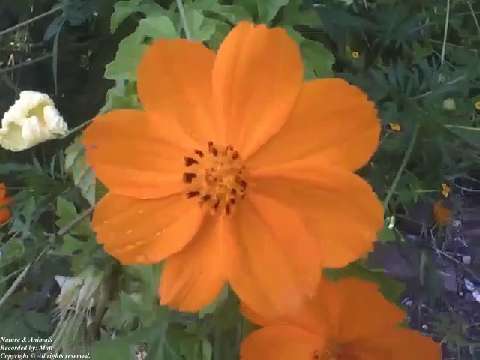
(33, 119)
(445, 190)
(477, 105)
(394, 126)
(355, 54)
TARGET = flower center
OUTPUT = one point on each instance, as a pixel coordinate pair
(216, 177)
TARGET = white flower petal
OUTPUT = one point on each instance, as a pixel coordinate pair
(31, 120)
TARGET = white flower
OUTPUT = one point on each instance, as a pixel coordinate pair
(31, 120)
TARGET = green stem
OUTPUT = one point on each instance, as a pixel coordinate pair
(184, 19)
(404, 163)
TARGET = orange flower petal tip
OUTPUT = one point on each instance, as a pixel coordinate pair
(5, 213)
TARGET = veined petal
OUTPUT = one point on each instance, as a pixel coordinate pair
(338, 208)
(276, 263)
(145, 231)
(282, 342)
(193, 278)
(130, 158)
(332, 123)
(174, 83)
(256, 79)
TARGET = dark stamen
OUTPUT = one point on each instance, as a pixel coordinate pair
(192, 194)
(227, 209)
(199, 153)
(190, 161)
(188, 177)
(206, 197)
(235, 155)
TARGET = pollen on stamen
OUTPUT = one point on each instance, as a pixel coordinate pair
(216, 176)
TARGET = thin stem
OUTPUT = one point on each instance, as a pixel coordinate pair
(79, 127)
(184, 19)
(74, 222)
(452, 82)
(445, 33)
(404, 163)
(475, 19)
(25, 63)
(13, 28)
(60, 232)
(20, 278)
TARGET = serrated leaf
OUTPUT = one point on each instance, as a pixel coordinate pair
(318, 60)
(201, 28)
(267, 9)
(132, 47)
(122, 10)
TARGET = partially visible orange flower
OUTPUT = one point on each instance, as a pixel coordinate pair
(4, 201)
(441, 213)
(236, 171)
(348, 319)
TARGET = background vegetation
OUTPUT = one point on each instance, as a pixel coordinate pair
(417, 59)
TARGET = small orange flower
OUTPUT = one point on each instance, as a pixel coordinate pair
(441, 213)
(236, 171)
(4, 201)
(348, 319)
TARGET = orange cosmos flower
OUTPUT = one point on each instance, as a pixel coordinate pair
(236, 171)
(5, 213)
(345, 320)
(441, 213)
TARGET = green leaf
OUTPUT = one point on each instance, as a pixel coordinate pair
(267, 9)
(469, 134)
(82, 174)
(318, 60)
(11, 251)
(122, 10)
(131, 48)
(201, 28)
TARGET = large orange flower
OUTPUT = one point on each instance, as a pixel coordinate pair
(5, 213)
(236, 171)
(346, 320)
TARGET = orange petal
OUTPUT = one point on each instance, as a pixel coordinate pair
(332, 122)
(174, 82)
(347, 306)
(193, 278)
(412, 345)
(282, 343)
(338, 208)
(395, 344)
(257, 76)
(130, 158)
(145, 231)
(276, 262)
